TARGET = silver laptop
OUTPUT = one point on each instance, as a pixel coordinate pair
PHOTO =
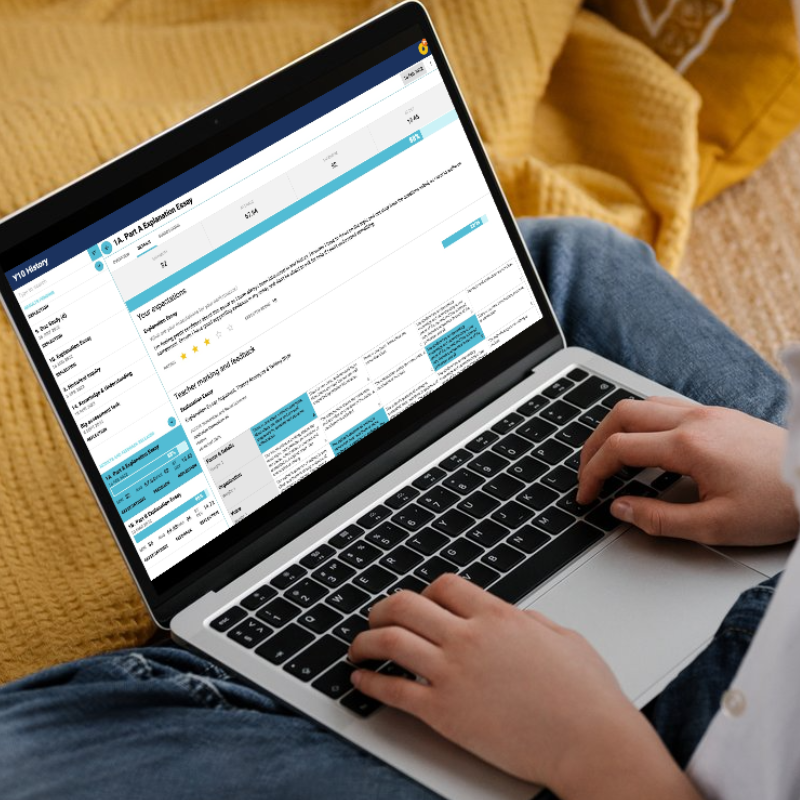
(304, 360)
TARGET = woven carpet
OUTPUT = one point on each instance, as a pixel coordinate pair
(743, 258)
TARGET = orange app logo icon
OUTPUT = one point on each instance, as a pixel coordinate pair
(423, 47)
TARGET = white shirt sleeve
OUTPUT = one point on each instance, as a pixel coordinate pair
(751, 750)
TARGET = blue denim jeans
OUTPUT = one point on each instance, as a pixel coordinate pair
(158, 721)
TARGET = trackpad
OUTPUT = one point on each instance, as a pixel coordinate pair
(647, 605)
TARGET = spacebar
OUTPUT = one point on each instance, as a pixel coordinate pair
(541, 565)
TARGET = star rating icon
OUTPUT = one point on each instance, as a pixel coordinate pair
(195, 348)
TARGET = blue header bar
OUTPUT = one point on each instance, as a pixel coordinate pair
(88, 238)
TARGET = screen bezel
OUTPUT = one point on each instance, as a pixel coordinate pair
(28, 232)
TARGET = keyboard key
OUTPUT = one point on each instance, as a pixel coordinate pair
(620, 394)
(537, 497)
(589, 392)
(561, 479)
(408, 584)
(374, 579)
(482, 441)
(250, 632)
(559, 413)
(278, 612)
(480, 575)
(602, 518)
(463, 481)
(317, 557)
(228, 619)
(552, 451)
(574, 461)
(577, 374)
(396, 671)
(461, 552)
(570, 504)
(503, 486)
(533, 405)
(536, 569)
(346, 536)
(306, 592)
(438, 499)
(512, 446)
(401, 560)
(336, 681)
(413, 517)
(558, 388)
(333, 574)
(257, 598)
(636, 489)
(527, 469)
(386, 536)
(347, 598)
(285, 643)
(487, 533)
(452, 522)
(610, 486)
(488, 464)
(432, 569)
(594, 416)
(478, 504)
(360, 704)
(350, 628)
(574, 434)
(359, 554)
(291, 574)
(528, 539)
(503, 557)
(455, 460)
(628, 472)
(427, 541)
(553, 520)
(311, 661)
(508, 422)
(512, 515)
(374, 517)
(319, 618)
(401, 497)
(537, 429)
(663, 481)
(427, 480)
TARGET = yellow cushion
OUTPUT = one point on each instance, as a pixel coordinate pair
(742, 56)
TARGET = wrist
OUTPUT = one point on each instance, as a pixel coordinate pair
(622, 759)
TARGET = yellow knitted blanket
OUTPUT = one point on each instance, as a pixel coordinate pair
(578, 118)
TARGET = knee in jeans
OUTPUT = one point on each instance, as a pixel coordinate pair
(581, 244)
(603, 248)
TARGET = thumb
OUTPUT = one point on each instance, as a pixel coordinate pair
(660, 518)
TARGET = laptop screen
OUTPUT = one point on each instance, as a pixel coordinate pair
(224, 336)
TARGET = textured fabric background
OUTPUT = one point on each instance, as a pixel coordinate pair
(742, 57)
(579, 119)
(743, 258)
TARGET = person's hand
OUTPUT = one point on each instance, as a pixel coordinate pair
(735, 460)
(512, 687)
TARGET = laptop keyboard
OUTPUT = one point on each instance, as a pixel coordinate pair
(500, 511)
